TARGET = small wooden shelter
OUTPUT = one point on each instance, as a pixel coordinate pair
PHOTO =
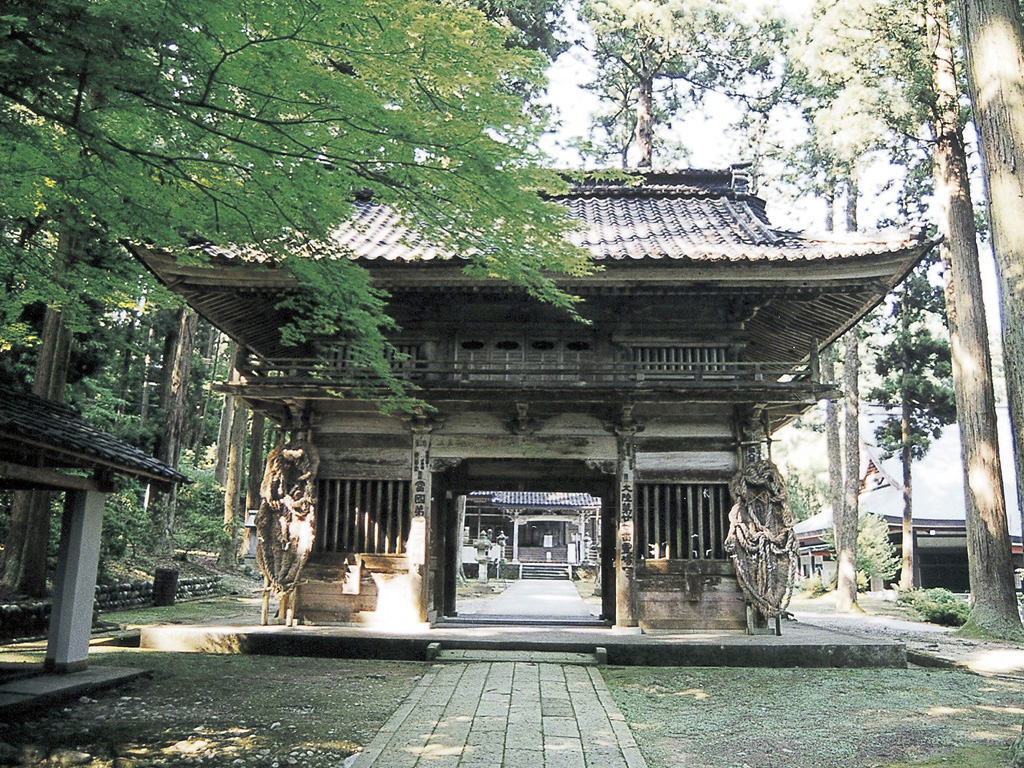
(47, 446)
(706, 324)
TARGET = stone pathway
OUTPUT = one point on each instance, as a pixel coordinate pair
(510, 714)
(531, 598)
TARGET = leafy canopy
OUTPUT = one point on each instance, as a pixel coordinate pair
(254, 122)
(681, 50)
(914, 362)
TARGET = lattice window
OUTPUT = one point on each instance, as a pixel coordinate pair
(681, 521)
(368, 516)
(676, 359)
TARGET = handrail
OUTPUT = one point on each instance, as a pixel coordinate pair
(525, 373)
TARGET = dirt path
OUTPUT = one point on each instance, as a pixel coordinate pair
(887, 620)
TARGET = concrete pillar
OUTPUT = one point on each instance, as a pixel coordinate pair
(515, 538)
(75, 584)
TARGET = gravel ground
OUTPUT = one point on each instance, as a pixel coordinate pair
(216, 711)
(818, 718)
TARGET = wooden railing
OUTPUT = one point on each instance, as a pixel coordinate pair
(454, 373)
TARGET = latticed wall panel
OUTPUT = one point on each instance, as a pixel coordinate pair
(367, 516)
(682, 521)
(671, 358)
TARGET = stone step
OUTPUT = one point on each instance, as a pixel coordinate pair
(437, 652)
(545, 571)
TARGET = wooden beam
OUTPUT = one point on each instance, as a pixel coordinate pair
(22, 477)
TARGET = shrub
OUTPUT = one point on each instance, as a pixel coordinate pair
(937, 605)
(199, 519)
(876, 555)
(129, 531)
(813, 587)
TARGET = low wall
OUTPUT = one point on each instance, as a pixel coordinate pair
(32, 618)
(136, 594)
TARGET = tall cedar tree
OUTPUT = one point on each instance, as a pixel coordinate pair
(682, 48)
(915, 367)
(993, 37)
(845, 521)
(993, 600)
(888, 48)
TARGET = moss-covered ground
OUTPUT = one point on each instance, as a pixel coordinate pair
(218, 710)
(806, 718)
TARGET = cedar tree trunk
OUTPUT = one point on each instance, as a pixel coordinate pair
(993, 37)
(645, 119)
(833, 440)
(907, 566)
(23, 563)
(993, 601)
(846, 525)
(177, 367)
(234, 469)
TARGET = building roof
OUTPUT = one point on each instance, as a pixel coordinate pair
(693, 215)
(534, 500)
(690, 231)
(938, 481)
(41, 433)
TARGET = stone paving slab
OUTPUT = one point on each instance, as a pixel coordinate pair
(495, 714)
(536, 657)
(48, 689)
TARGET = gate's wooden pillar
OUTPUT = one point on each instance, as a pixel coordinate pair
(753, 438)
(418, 550)
(625, 597)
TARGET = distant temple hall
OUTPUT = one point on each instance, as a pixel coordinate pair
(706, 326)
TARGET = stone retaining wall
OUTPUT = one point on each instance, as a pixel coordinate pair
(136, 594)
(31, 618)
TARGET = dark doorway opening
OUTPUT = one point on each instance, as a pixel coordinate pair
(539, 528)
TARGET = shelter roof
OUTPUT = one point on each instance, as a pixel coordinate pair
(39, 433)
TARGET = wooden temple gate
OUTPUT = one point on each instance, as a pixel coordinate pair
(705, 328)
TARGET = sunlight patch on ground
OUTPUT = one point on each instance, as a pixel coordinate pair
(997, 662)
(945, 711)
(696, 693)
(1019, 711)
(994, 736)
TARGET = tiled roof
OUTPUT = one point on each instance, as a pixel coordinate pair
(535, 499)
(693, 216)
(51, 429)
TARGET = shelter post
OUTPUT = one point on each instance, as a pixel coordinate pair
(75, 584)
